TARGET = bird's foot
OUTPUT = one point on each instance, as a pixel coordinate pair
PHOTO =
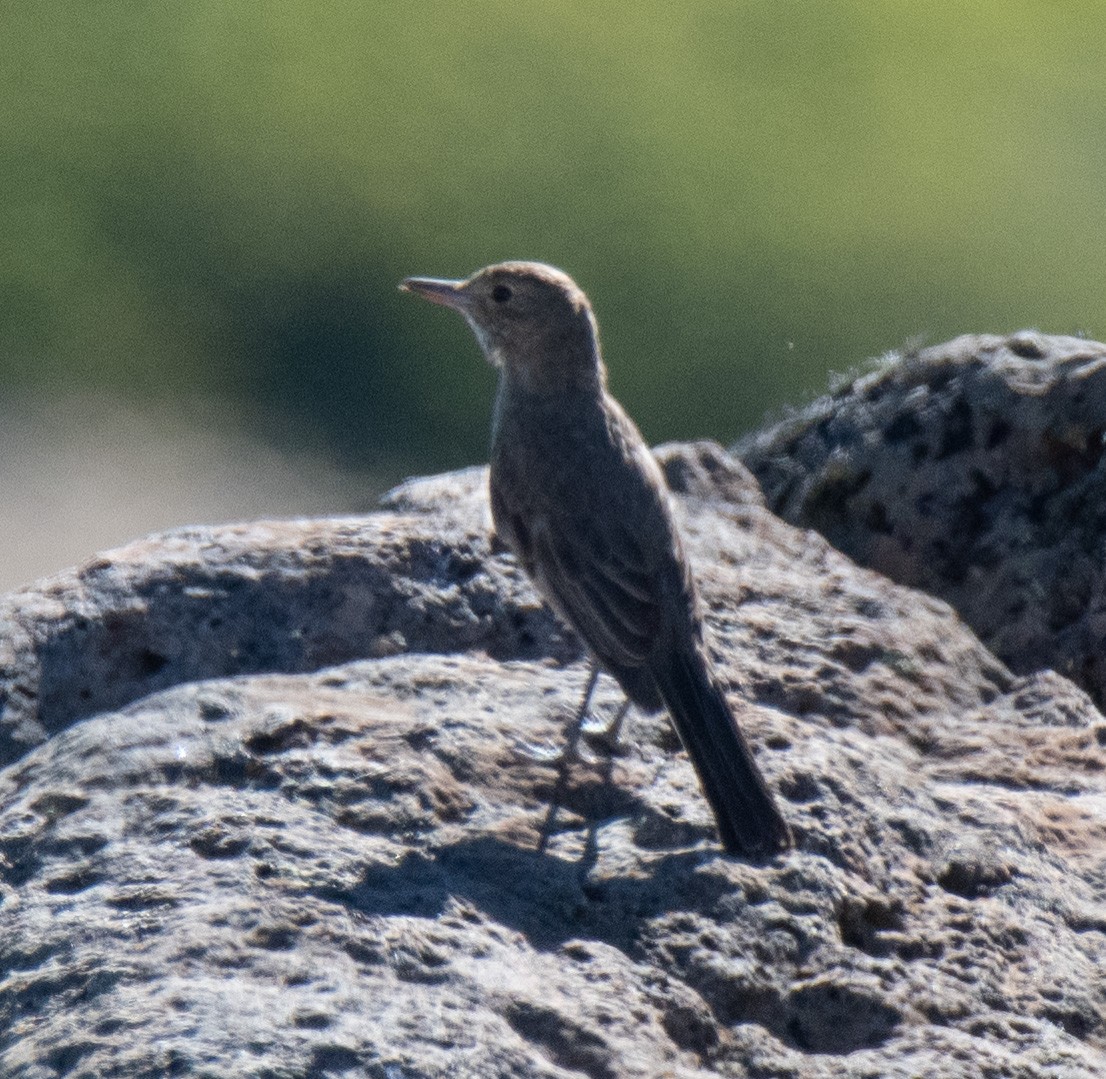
(605, 738)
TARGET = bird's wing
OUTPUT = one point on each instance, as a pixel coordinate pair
(603, 586)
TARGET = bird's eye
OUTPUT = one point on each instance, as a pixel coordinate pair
(501, 293)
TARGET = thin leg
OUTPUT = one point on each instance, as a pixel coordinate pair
(612, 732)
(569, 755)
(582, 712)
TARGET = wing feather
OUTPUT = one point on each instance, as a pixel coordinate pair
(612, 604)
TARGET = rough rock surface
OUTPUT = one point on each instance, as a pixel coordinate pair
(975, 471)
(272, 796)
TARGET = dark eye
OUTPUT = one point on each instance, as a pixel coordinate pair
(501, 293)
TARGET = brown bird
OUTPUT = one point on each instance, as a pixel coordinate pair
(578, 497)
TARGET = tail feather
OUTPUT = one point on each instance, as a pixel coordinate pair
(749, 822)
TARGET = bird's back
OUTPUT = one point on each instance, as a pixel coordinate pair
(579, 498)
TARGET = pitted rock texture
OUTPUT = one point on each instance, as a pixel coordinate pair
(214, 866)
(973, 470)
(284, 596)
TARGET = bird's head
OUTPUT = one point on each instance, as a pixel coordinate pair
(531, 320)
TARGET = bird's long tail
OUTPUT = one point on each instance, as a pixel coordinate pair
(749, 822)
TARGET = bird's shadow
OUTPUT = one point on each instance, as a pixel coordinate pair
(547, 898)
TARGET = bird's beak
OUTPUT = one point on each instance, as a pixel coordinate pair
(437, 290)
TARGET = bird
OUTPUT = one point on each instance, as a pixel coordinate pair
(578, 497)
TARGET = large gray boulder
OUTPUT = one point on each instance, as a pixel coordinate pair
(272, 797)
(973, 470)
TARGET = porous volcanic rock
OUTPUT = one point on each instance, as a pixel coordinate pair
(973, 470)
(273, 794)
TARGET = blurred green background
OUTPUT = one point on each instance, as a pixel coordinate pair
(205, 208)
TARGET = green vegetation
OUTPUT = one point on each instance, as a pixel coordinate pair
(221, 196)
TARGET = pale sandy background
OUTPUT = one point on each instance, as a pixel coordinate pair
(80, 474)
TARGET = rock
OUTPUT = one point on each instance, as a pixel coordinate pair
(974, 471)
(284, 596)
(273, 793)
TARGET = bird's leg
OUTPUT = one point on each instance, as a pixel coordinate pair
(610, 735)
(571, 752)
(569, 755)
(605, 739)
